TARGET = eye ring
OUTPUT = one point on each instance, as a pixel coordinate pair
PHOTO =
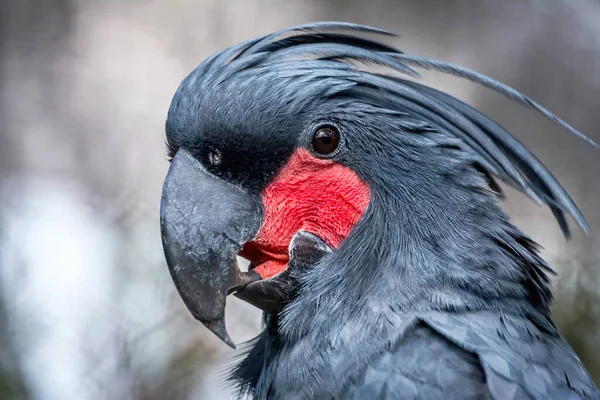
(326, 140)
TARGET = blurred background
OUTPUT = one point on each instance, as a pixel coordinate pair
(87, 307)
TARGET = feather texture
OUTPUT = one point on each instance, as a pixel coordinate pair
(323, 51)
(433, 292)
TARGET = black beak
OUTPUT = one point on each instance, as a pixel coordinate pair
(204, 223)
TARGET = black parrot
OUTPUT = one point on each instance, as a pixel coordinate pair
(368, 206)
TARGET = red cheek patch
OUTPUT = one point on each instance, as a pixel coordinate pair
(311, 194)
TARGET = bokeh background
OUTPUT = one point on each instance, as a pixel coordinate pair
(87, 306)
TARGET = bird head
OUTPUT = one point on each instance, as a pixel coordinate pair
(288, 136)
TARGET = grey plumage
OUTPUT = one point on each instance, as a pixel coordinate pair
(434, 293)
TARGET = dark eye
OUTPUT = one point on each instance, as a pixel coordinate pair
(325, 140)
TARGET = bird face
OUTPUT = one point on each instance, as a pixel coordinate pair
(234, 190)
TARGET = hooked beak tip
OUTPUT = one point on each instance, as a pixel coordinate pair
(218, 328)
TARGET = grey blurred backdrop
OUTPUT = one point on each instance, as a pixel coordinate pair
(87, 307)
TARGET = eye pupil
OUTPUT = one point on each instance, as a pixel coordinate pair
(326, 140)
